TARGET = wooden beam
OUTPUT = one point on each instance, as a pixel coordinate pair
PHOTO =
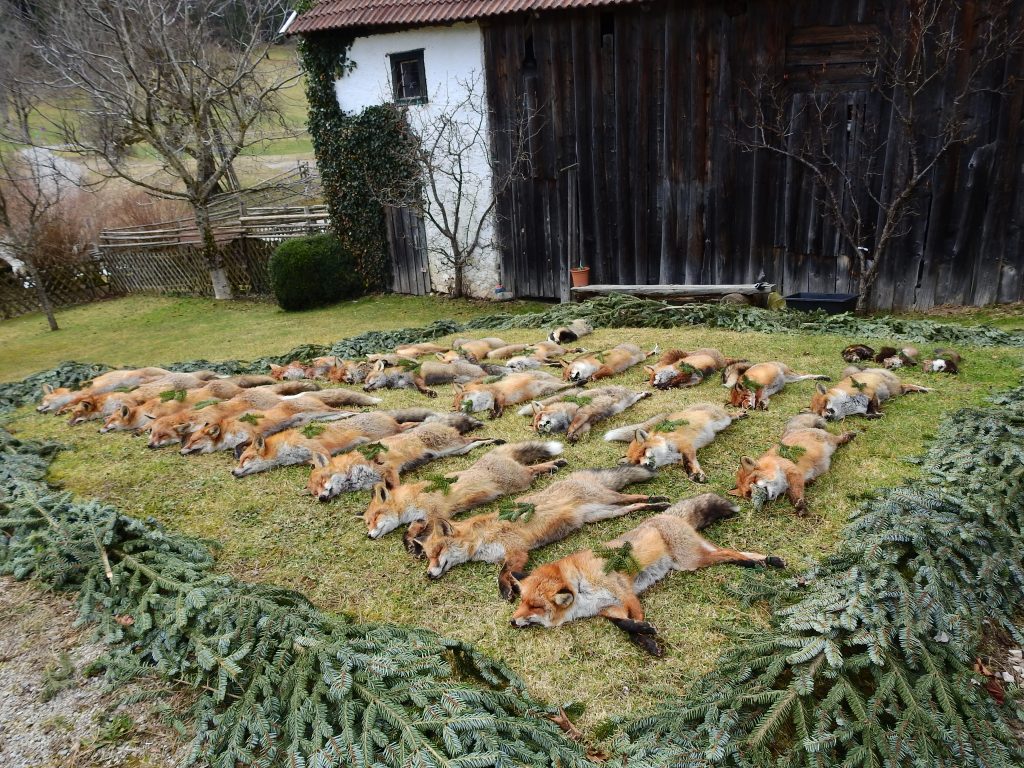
(746, 289)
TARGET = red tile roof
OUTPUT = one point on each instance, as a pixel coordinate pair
(338, 14)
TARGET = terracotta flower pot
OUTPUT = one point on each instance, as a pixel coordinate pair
(580, 276)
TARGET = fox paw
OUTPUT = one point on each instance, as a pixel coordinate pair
(774, 562)
(648, 643)
(801, 507)
(635, 627)
(430, 393)
(508, 588)
(698, 477)
(559, 463)
(656, 499)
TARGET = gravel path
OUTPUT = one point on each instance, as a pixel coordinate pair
(53, 717)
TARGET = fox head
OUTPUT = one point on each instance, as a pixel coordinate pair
(741, 397)
(85, 409)
(55, 398)
(651, 450)
(442, 547)
(389, 507)
(834, 404)
(127, 417)
(547, 598)
(294, 370)
(473, 398)
(252, 457)
(347, 472)
(554, 417)
(764, 474)
(171, 429)
(321, 366)
(383, 376)
(450, 356)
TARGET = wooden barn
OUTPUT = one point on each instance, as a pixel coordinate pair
(682, 141)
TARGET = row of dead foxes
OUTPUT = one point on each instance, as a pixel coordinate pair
(258, 417)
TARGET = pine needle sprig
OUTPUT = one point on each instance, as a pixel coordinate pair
(618, 559)
(371, 451)
(173, 394)
(516, 511)
(791, 452)
(252, 418)
(206, 403)
(313, 430)
(440, 483)
(671, 425)
(580, 400)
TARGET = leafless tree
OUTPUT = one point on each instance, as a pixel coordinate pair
(18, 95)
(458, 178)
(188, 80)
(933, 47)
(32, 188)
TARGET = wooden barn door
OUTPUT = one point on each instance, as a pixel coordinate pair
(407, 242)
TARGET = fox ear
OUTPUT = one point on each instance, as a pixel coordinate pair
(240, 449)
(379, 366)
(276, 367)
(640, 435)
(564, 363)
(821, 388)
(537, 407)
(214, 430)
(380, 491)
(86, 405)
(259, 443)
(445, 527)
(320, 460)
(747, 463)
(391, 479)
(47, 389)
(564, 598)
(649, 369)
(734, 492)
(180, 428)
(458, 389)
(125, 411)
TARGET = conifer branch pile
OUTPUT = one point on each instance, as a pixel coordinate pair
(283, 683)
(869, 658)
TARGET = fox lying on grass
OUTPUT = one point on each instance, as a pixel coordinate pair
(543, 353)
(804, 454)
(386, 459)
(605, 581)
(173, 428)
(293, 371)
(420, 375)
(99, 406)
(511, 390)
(753, 385)
(603, 365)
(226, 433)
(503, 470)
(57, 400)
(576, 411)
(677, 368)
(673, 438)
(473, 350)
(534, 521)
(421, 349)
(860, 392)
(575, 331)
(295, 446)
(137, 417)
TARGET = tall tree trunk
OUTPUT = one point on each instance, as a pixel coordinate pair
(212, 253)
(44, 298)
(459, 280)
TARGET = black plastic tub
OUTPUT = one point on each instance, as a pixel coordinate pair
(833, 303)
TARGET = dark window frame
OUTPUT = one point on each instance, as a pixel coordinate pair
(397, 61)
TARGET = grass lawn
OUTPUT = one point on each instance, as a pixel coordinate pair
(152, 330)
(268, 530)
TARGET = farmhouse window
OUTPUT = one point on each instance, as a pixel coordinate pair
(408, 77)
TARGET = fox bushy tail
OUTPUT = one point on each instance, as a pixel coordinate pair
(701, 511)
(532, 451)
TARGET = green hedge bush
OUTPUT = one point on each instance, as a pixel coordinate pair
(313, 271)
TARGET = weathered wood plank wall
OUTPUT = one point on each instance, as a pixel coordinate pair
(644, 105)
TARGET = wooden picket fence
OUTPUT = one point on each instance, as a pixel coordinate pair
(75, 280)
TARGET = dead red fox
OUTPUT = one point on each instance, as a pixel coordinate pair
(173, 428)
(57, 400)
(673, 438)
(511, 390)
(137, 417)
(227, 433)
(535, 521)
(677, 368)
(602, 365)
(576, 411)
(860, 392)
(429, 372)
(605, 581)
(503, 470)
(101, 405)
(295, 446)
(804, 454)
(752, 385)
(385, 459)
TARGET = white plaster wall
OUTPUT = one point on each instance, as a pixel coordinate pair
(451, 56)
